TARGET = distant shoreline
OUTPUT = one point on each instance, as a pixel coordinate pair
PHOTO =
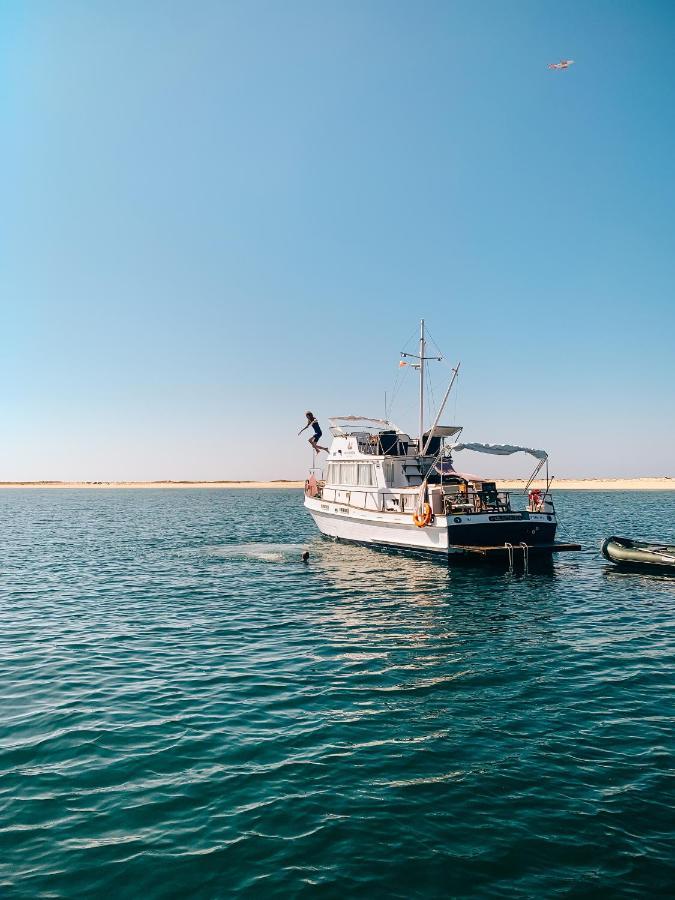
(663, 483)
(144, 485)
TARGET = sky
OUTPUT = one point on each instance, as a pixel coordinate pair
(217, 215)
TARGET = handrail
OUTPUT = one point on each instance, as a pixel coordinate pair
(381, 509)
(474, 500)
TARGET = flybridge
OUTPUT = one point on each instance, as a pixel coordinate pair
(382, 433)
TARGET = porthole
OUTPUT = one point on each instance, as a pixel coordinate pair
(457, 519)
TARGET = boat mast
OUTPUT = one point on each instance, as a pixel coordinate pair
(420, 367)
(421, 440)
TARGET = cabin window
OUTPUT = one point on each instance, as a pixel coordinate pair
(347, 473)
(351, 473)
(365, 474)
(389, 473)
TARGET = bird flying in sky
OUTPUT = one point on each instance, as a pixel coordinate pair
(563, 64)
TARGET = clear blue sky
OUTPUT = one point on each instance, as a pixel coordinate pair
(217, 215)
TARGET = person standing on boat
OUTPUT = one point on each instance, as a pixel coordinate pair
(314, 440)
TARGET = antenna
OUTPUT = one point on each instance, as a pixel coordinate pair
(420, 367)
(422, 345)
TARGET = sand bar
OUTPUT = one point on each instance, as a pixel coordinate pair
(664, 483)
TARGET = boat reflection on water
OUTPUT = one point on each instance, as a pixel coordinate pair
(643, 578)
(383, 599)
(394, 564)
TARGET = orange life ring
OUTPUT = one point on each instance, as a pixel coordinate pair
(421, 519)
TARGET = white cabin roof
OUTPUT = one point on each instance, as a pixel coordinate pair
(340, 426)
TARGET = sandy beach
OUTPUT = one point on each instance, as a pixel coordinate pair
(663, 483)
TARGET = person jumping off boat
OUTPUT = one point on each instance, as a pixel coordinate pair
(314, 440)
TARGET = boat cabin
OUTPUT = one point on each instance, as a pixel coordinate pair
(373, 465)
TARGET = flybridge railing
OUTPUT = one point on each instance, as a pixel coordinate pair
(374, 447)
(388, 443)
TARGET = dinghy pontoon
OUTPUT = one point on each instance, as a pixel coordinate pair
(639, 554)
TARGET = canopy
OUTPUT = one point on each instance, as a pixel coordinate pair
(502, 450)
(444, 431)
(362, 423)
(358, 419)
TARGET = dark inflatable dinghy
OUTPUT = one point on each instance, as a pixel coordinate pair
(639, 554)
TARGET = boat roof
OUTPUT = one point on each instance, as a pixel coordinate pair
(501, 449)
(444, 430)
(343, 425)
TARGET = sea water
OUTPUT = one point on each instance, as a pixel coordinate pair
(188, 710)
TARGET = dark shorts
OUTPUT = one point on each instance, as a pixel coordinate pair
(317, 435)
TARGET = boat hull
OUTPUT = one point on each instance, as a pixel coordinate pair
(502, 531)
(441, 536)
(347, 527)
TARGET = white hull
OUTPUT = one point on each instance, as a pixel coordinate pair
(378, 529)
(443, 535)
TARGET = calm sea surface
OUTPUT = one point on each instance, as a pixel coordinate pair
(186, 710)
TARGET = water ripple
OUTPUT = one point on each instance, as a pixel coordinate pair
(188, 710)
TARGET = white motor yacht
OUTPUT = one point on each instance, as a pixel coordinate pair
(381, 487)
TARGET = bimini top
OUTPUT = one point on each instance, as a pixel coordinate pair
(502, 450)
(359, 423)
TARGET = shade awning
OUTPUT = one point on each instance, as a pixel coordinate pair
(358, 419)
(444, 431)
(502, 450)
(343, 425)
